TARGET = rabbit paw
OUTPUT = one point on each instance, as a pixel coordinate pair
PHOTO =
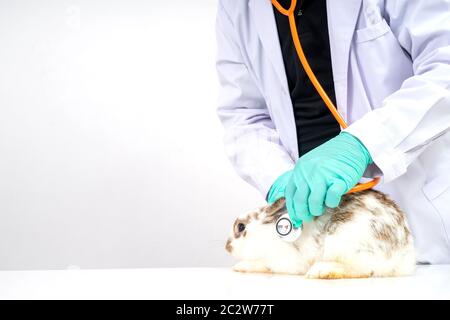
(251, 267)
(332, 270)
(326, 270)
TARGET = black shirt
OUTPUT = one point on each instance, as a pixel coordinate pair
(315, 123)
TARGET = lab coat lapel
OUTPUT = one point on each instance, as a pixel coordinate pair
(342, 19)
(263, 17)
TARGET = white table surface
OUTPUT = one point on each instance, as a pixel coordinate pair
(430, 282)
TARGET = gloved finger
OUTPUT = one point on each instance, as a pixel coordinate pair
(289, 196)
(308, 218)
(335, 193)
(317, 196)
(278, 188)
(296, 222)
(274, 196)
(301, 199)
(271, 196)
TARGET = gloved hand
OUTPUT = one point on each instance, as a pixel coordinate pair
(323, 175)
(278, 188)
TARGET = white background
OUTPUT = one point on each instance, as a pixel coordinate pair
(111, 152)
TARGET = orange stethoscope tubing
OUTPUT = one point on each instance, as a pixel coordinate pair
(290, 13)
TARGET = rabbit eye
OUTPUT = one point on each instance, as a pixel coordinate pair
(241, 227)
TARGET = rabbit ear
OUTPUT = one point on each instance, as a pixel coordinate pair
(275, 208)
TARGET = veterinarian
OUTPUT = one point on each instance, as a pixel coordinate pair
(386, 65)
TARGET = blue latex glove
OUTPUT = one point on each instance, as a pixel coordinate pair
(323, 175)
(278, 188)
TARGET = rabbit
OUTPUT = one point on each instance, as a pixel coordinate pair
(367, 235)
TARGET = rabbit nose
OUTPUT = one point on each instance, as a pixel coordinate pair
(228, 246)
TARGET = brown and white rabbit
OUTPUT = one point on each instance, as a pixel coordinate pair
(367, 235)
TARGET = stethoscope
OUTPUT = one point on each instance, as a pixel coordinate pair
(284, 226)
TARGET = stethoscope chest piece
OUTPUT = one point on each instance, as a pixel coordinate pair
(286, 230)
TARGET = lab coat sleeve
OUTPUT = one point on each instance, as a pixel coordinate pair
(251, 139)
(419, 112)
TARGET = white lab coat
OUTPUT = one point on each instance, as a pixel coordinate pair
(391, 67)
